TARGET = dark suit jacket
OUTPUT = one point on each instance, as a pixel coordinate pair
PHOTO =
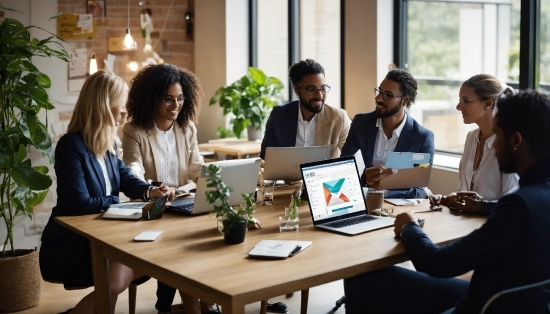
(414, 138)
(332, 128)
(511, 249)
(80, 191)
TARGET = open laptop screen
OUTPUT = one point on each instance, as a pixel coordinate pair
(333, 188)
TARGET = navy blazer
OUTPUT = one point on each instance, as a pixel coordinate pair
(80, 191)
(511, 249)
(281, 127)
(414, 138)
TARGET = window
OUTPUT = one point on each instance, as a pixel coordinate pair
(446, 43)
(320, 40)
(272, 49)
(293, 30)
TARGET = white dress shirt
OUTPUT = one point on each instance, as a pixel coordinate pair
(305, 133)
(489, 182)
(168, 162)
(108, 187)
(383, 144)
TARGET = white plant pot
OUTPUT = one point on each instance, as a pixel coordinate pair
(255, 133)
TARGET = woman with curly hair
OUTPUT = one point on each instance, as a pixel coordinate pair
(163, 104)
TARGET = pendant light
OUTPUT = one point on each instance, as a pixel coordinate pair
(93, 65)
(128, 40)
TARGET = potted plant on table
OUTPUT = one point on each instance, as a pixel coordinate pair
(232, 221)
(250, 100)
(22, 185)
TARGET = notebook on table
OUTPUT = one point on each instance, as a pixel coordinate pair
(136, 210)
(283, 163)
(336, 201)
(240, 174)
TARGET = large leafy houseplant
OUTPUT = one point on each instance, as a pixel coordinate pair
(22, 96)
(218, 194)
(250, 99)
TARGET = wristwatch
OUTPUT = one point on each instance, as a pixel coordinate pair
(146, 195)
(408, 224)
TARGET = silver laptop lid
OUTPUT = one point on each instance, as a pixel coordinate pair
(333, 188)
(283, 163)
(240, 174)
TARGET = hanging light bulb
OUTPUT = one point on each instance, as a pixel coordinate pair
(93, 65)
(128, 40)
(133, 66)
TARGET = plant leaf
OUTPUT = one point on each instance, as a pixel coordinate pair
(25, 175)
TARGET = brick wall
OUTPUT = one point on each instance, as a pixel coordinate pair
(174, 45)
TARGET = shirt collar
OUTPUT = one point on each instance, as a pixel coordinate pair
(397, 130)
(490, 141)
(301, 118)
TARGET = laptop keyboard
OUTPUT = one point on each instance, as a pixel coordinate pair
(184, 208)
(350, 221)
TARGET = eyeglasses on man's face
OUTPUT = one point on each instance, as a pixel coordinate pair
(312, 90)
(465, 100)
(172, 101)
(385, 95)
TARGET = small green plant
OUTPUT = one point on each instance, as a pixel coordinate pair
(250, 99)
(294, 203)
(22, 96)
(222, 132)
(218, 194)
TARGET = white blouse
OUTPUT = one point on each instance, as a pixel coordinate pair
(108, 187)
(168, 162)
(489, 182)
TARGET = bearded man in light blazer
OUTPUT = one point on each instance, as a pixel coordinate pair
(307, 121)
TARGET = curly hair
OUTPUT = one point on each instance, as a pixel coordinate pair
(149, 87)
(407, 84)
(298, 70)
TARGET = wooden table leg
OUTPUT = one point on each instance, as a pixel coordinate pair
(305, 297)
(101, 279)
(263, 308)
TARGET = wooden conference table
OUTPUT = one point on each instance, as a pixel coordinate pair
(191, 255)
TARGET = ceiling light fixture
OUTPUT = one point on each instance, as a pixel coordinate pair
(128, 40)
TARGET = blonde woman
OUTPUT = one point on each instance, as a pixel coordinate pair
(89, 179)
(481, 180)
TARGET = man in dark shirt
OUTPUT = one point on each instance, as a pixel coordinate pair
(511, 249)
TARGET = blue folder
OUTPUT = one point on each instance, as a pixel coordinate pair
(402, 160)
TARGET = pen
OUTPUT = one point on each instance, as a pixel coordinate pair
(296, 250)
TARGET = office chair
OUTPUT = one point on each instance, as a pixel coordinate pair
(537, 292)
(79, 285)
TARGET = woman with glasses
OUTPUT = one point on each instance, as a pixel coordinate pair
(479, 171)
(162, 104)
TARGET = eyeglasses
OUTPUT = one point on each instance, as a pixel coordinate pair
(381, 212)
(171, 101)
(312, 90)
(385, 95)
(465, 101)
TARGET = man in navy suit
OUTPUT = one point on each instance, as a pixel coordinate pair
(510, 250)
(307, 121)
(389, 128)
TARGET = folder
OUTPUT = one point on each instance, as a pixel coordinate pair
(404, 160)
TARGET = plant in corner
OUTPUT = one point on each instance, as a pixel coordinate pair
(22, 185)
(250, 100)
(233, 220)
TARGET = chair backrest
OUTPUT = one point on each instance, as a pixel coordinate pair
(533, 297)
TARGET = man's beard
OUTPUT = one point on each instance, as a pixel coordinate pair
(388, 113)
(310, 108)
(508, 162)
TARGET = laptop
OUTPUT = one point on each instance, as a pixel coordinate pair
(239, 174)
(136, 210)
(283, 163)
(336, 201)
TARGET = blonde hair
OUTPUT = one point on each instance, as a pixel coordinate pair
(92, 115)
